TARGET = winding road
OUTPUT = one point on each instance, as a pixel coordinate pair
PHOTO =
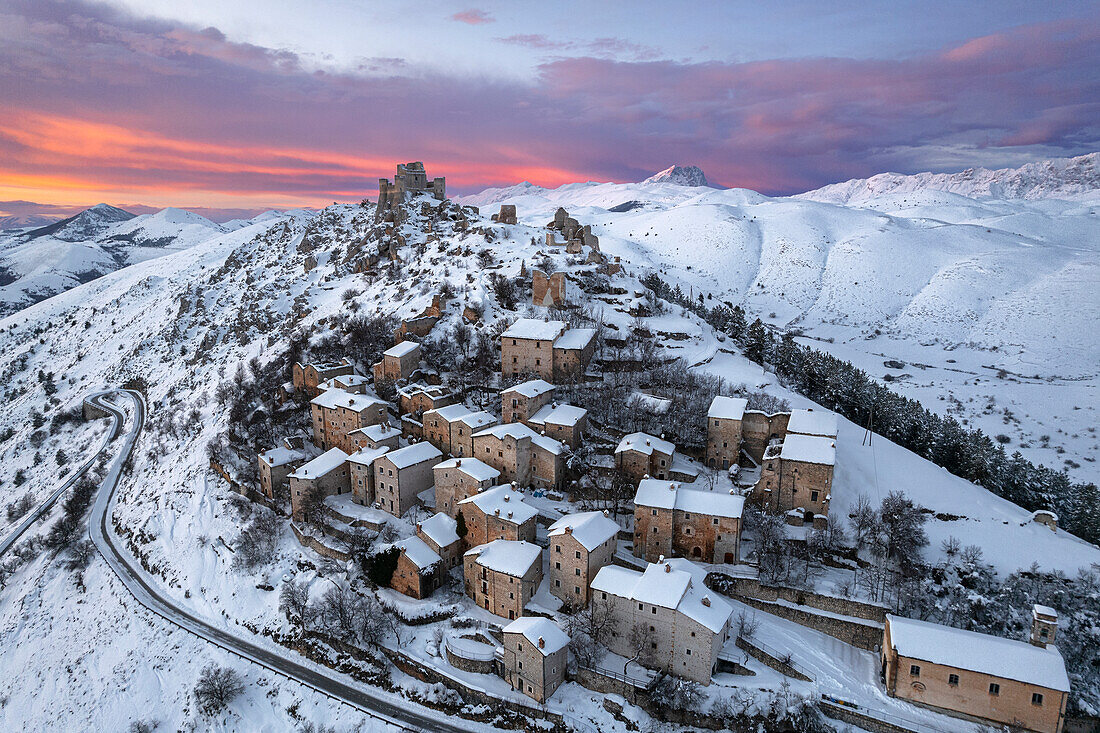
(400, 713)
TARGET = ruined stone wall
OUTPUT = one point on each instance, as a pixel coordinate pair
(757, 428)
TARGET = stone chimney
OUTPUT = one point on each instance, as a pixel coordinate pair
(542, 643)
(1044, 625)
(706, 601)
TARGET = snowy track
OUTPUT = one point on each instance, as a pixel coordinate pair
(391, 710)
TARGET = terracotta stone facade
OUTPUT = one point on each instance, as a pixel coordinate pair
(419, 398)
(497, 514)
(535, 656)
(546, 349)
(673, 521)
(327, 474)
(308, 377)
(502, 576)
(519, 403)
(521, 455)
(580, 544)
(399, 476)
(398, 362)
(461, 478)
(336, 413)
(759, 429)
(724, 432)
(785, 485)
(548, 291)
(639, 455)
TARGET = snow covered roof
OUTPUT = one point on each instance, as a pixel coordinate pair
(367, 456)
(412, 454)
(727, 408)
(322, 464)
(562, 414)
(575, 338)
(472, 467)
(666, 586)
(378, 432)
(970, 650)
(531, 388)
(1039, 610)
(347, 380)
(660, 494)
(440, 529)
(503, 501)
(513, 557)
(518, 431)
(809, 449)
(339, 398)
(813, 422)
(401, 349)
(545, 635)
(645, 443)
(450, 413)
(281, 456)
(418, 551)
(478, 420)
(591, 529)
(532, 328)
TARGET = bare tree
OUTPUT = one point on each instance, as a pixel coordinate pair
(588, 630)
(294, 602)
(216, 688)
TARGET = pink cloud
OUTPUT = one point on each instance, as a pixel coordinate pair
(473, 17)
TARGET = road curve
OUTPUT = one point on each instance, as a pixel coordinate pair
(403, 714)
(41, 509)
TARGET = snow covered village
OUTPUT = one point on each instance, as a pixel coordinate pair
(632, 456)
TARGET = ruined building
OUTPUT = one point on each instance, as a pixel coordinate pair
(410, 179)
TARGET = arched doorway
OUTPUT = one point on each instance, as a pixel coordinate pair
(696, 551)
(728, 558)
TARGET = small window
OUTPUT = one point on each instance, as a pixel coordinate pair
(654, 511)
(715, 423)
(653, 610)
(1036, 698)
(994, 688)
(578, 553)
(557, 566)
(603, 595)
(914, 670)
(953, 680)
(557, 549)
(714, 521)
(689, 652)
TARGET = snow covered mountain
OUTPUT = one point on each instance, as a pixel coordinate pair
(39, 263)
(962, 292)
(681, 175)
(1066, 178)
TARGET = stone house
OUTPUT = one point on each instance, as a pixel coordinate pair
(375, 436)
(307, 378)
(459, 478)
(498, 513)
(536, 651)
(416, 399)
(451, 428)
(671, 519)
(355, 383)
(398, 362)
(440, 532)
(798, 474)
(521, 455)
(562, 422)
(275, 466)
(502, 576)
(580, 544)
(419, 326)
(361, 473)
(327, 474)
(419, 569)
(665, 617)
(977, 676)
(546, 349)
(337, 413)
(724, 431)
(639, 455)
(519, 403)
(401, 475)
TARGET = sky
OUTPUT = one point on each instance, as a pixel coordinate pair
(250, 105)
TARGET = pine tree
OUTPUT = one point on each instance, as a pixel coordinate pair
(460, 529)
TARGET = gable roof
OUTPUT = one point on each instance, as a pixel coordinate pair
(727, 408)
(813, 422)
(335, 397)
(281, 456)
(413, 454)
(668, 587)
(418, 551)
(321, 465)
(591, 529)
(534, 628)
(379, 431)
(575, 338)
(512, 557)
(472, 467)
(450, 413)
(440, 529)
(367, 456)
(531, 388)
(502, 501)
(519, 431)
(401, 349)
(660, 494)
(970, 650)
(809, 449)
(645, 443)
(559, 414)
(532, 328)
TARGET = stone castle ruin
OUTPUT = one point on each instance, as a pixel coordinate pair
(548, 292)
(410, 179)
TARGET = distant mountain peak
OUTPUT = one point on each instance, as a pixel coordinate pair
(84, 225)
(681, 175)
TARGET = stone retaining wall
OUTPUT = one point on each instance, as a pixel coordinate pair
(863, 635)
(767, 659)
(319, 547)
(753, 588)
(478, 666)
(866, 722)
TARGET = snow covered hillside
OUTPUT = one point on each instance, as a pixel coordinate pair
(38, 263)
(984, 308)
(184, 323)
(1063, 178)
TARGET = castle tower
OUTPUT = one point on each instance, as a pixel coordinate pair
(1044, 625)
